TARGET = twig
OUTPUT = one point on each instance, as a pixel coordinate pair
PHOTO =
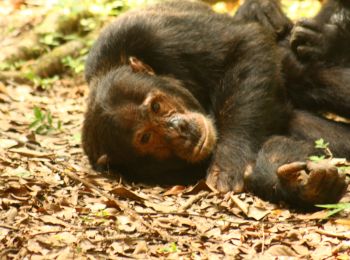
(48, 232)
(8, 227)
(192, 200)
(332, 234)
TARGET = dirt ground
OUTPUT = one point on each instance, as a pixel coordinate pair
(53, 206)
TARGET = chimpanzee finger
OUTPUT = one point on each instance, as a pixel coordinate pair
(308, 53)
(278, 19)
(316, 178)
(264, 20)
(309, 24)
(334, 188)
(330, 180)
(291, 171)
(322, 165)
(291, 167)
(306, 36)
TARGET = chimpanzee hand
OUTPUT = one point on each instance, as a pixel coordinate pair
(266, 12)
(313, 182)
(226, 173)
(312, 41)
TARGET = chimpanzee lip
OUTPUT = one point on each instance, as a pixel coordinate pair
(199, 150)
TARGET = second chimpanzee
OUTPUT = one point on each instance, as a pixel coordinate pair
(177, 89)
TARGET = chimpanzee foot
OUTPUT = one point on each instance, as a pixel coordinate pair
(313, 182)
(311, 41)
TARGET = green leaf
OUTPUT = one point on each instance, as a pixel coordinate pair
(321, 144)
(336, 208)
(333, 212)
(49, 118)
(59, 125)
(77, 137)
(343, 169)
(34, 123)
(316, 158)
(171, 248)
(343, 205)
(41, 130)
(37, 113)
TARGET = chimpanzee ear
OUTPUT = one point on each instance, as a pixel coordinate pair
(139, 66)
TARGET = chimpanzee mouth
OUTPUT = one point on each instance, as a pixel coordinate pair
(206, 141)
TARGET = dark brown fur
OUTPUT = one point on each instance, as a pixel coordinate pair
(211, 76)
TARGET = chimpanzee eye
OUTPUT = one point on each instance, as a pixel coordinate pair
(145, 138)
(155, 107)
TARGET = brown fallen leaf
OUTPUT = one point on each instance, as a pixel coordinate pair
(315, 216)
(175, 190)
(200, 186)
(53, 220)
(257, 213)
(280, 250)
(7, 143)
(343, 221)
(240, 204)
(159, 207)
(123, 192)
(250, 211)
(3, 88)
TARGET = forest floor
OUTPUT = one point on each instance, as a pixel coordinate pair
(52, 205)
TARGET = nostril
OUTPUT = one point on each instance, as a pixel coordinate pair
(178, 123)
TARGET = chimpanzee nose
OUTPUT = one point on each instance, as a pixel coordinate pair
(178, 123)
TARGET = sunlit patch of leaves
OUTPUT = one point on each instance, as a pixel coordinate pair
(88, 24)
(316, 158)
(23, 174)
(343, 169)
(43, 122)
(77, 137)
(170, 248)
(335, 208)
(11, 65)
(51, 39)
(43, 83)
(78, 249)
(102, 214)
(321, 144)
(87, 219)
(74, 64)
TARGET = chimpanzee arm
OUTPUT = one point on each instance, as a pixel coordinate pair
(249, 105)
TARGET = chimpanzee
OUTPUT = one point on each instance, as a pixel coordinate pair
(177, 90)
(321, 80)
(317, 74)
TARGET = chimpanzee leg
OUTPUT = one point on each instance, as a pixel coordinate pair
(281, 173)
(310, 127)
(322, 89)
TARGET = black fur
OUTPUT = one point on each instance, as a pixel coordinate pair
(237, 71)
